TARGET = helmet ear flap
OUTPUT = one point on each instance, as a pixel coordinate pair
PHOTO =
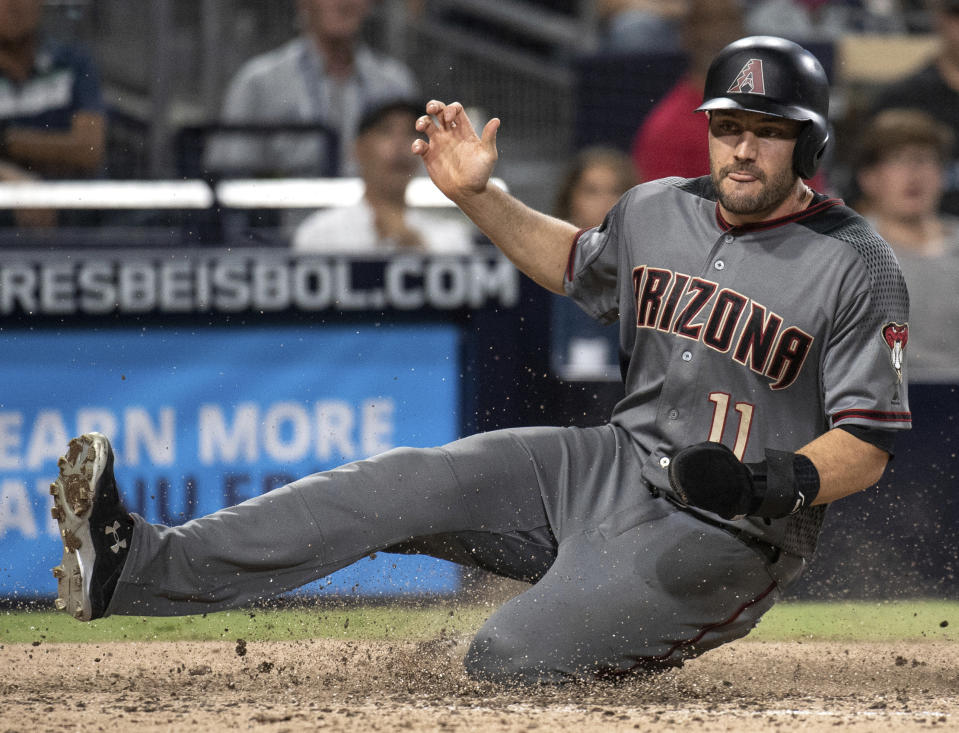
(810, 148)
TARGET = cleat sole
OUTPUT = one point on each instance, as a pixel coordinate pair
(73, 493)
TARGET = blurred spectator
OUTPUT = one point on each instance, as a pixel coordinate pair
(792, 18)
(672, 140)
(381, 221)
(651, 26)
(595, 180)
(807, 20)
(327, 75)
(900, 173)
(935, 89)
(52, 121)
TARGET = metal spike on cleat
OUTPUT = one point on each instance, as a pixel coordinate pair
(60, 604)
(58, 572)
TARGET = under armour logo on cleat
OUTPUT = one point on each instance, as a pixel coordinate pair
(118, 543)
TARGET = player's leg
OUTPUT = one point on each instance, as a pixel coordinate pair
(626, 597)
(518, 554)
(290, 536)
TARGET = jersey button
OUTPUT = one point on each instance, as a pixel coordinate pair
(664, 462)
(729, 238)
(719, 265)
(687, 356)
(673, 414)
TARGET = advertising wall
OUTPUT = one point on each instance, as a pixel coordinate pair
(206, 418)
(220, 374)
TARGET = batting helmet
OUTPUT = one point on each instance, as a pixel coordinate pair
(776, 77)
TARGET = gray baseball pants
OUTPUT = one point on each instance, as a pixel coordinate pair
(622, 580)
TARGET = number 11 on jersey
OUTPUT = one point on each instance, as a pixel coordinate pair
(720, 402)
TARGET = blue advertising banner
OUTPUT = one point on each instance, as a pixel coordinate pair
(203, 418)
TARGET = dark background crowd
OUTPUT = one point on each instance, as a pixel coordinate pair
(595, 95)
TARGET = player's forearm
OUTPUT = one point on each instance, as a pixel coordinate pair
(845, 464)
(536, 243)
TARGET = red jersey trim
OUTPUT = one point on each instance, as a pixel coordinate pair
(571, 260)
(872, 415)
(711, 627)
(781, 221)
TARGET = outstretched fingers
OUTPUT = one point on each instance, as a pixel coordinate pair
(420, 146)
(439, 121)
(456, 158)
(447, 116)
(489, 134)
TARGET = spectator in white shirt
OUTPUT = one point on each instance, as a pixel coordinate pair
(382, 222)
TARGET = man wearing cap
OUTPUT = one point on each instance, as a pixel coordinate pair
(382, 222)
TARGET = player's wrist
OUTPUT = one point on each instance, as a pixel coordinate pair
(783, 484)
(709, 476)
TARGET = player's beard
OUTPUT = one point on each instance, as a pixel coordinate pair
(767, 199)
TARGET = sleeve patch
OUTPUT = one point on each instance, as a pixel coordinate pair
(895, 336)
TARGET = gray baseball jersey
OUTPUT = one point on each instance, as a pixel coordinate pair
(761, 336)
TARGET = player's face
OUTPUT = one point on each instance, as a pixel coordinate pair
(750, 160)
(906, 184)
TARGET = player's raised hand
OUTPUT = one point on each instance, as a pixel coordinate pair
(456, 158)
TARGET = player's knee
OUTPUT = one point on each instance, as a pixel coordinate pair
(506, 658)
(497, 657)
(501, 657)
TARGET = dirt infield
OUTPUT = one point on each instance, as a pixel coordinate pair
(386, 686)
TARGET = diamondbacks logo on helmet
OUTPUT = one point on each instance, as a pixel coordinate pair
(896, 336)
(750, 79)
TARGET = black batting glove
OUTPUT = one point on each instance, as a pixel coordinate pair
(709, 476)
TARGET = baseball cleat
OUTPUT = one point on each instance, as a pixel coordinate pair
(94, 526)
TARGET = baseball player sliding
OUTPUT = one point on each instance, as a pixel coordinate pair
(762, 328)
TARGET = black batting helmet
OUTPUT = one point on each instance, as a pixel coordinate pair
(775, 77)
